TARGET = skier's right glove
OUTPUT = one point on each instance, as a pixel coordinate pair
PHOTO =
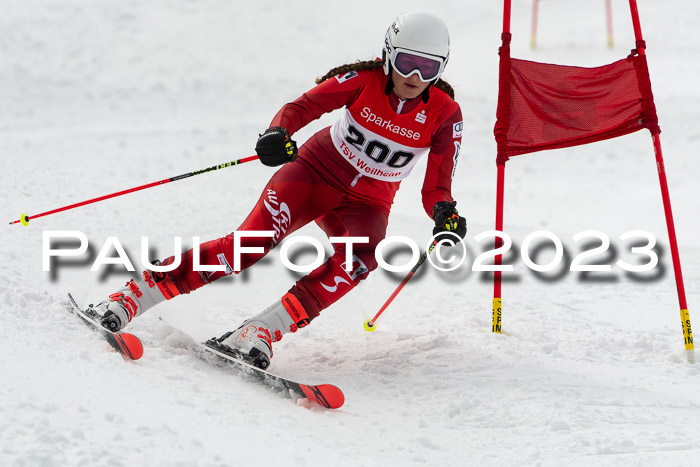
(275, 147)
(448, 220)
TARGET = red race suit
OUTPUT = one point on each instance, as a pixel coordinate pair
(344, 179)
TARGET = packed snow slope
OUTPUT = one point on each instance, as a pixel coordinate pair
(97, 97)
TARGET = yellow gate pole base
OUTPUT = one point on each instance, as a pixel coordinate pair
(496, 316)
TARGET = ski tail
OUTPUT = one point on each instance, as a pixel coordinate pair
(128, 345)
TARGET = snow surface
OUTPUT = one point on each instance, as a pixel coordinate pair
(96, 97)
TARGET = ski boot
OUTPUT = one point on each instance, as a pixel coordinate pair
(136, 297)
(252, 341)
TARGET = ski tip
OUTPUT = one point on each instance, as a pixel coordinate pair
(129, 345)
(326, 395)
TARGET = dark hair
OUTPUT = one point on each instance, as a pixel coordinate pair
(378, 63)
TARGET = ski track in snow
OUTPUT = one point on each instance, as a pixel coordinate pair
(99, 98)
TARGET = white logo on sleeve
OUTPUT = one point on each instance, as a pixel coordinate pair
(338, 280)
(358, 268)
(454, 159)
(281, 216)
(346, 76)
(457, 129)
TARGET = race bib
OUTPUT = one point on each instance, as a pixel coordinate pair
(372, 154)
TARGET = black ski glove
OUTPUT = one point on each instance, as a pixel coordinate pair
(447, 220)
(275, 147)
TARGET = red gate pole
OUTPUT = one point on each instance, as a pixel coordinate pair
(506, 15)
(501, 164)
(496, 318)
(685, 315)
(609, 23)
(533, 24)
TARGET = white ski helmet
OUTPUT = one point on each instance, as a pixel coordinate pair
(417, 42)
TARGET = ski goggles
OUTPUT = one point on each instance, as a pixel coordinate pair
(408, 62)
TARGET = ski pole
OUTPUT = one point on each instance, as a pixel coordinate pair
(370, 323)
(24, 219)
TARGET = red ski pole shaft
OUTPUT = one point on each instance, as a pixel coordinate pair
(370, 324)
(24, 219)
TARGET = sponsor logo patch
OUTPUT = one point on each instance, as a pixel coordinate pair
(371, 117)
(346, 76)
(222, 260)
(457, 129)
(358, 267)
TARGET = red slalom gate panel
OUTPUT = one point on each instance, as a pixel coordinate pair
(556, 106)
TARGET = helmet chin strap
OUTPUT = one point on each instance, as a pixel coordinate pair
(389, 86)
(426, 93)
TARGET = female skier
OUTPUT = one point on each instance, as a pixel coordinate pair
(344, 178)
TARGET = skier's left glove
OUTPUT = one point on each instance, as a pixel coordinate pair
(275, 147)
(448, 220)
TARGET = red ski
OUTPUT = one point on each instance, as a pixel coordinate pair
(325, 395)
